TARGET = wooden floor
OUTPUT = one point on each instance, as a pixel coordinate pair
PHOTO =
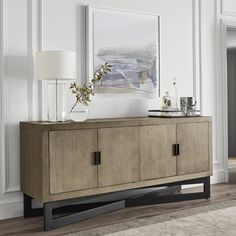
(232, 162)
(33, 226)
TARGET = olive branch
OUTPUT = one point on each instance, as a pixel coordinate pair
(83, 93)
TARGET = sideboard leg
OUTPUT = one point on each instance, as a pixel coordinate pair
(207, 187)
(51, 222)
(179, 188)
(47, 216)
(29, 211)
(27, 206)
(164, 196)
(84, 211)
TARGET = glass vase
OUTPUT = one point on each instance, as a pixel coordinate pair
(79, 113)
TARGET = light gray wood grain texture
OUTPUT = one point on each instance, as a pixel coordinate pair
(71, 155)
(113, 122)
(31, 162)
(119, 149)
(210, 148)
(120, 187)
(50, 174)
(194, 148)
(156, 151)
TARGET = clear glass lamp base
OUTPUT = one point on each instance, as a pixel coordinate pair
(56, 100)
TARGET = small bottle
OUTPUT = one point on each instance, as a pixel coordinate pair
(166, 102)
(174, 95)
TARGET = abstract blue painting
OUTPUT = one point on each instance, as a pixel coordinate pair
(130, 42)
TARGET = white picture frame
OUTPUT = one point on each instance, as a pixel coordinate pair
(128, 40)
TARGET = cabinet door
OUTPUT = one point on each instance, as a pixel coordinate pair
(156, 148)
(194, 148)
(119, 149)
(71, 158)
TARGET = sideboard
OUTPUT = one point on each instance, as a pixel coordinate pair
(61, 162)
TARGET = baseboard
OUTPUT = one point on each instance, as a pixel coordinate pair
(11, 209)
(219, 176)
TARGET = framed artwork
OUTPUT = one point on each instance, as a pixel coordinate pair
(130, 42)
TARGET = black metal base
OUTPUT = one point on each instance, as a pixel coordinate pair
(54, 212)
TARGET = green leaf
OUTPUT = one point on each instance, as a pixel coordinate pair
(83, 93)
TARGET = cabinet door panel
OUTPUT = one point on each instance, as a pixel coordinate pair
(156, 148)
(71, 156)
(119, 149)
(194, 148)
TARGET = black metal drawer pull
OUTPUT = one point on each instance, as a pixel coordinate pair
(97, 159)
(176, 150)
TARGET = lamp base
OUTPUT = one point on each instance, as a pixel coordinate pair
(56, 100)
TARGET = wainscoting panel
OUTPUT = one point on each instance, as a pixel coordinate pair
(228, 7)
(15, 105)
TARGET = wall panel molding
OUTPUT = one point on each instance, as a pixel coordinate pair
(3, 87)
(225, 12)
(5, 142)
(40, 44)
(197, 70)
(35, 39)
(34, 43)
(217, 10)
(2, 90)
(5, 158)
(30, 51)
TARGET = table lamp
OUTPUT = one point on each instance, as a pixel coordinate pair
(56, 65)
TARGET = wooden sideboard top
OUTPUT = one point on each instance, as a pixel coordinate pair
(111, 122)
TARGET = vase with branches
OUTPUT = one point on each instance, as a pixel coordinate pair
(83, 93)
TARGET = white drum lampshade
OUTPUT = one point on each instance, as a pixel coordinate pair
(56, 65)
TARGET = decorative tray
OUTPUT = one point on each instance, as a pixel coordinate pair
(173, 114)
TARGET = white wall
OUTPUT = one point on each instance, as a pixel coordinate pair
(231, 38)
(187, 52)
(68, 32)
